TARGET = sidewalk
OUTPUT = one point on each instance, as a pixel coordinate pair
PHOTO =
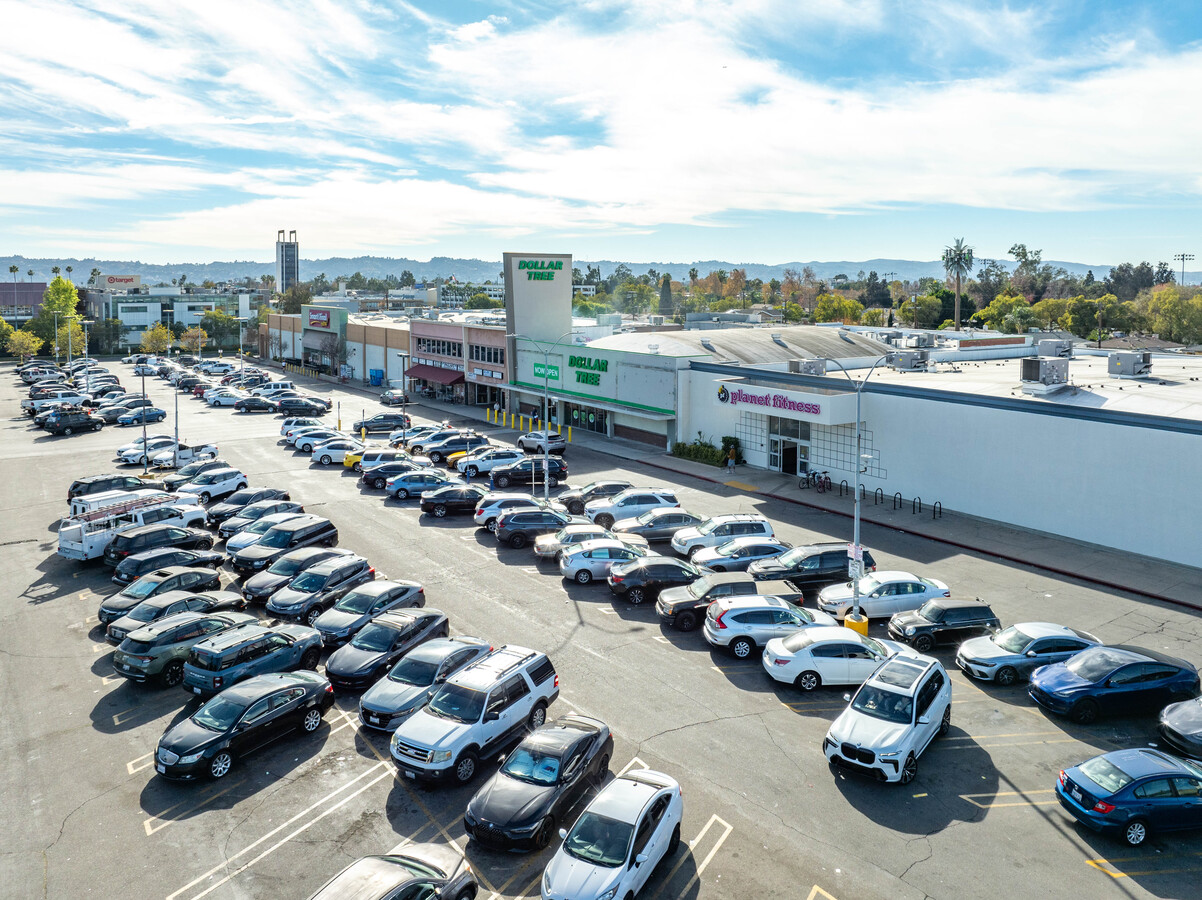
(1141, 575)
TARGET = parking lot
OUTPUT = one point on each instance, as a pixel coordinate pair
(764, 815)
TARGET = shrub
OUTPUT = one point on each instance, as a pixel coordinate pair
(702, 450)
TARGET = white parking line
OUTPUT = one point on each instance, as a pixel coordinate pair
(134, 766)
(300, 815)
(634, 763)
(693, 844)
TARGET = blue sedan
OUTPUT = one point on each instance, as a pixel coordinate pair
(1114, 680)
(1133, 792)
(146, 414)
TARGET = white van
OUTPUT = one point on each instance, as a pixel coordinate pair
(87, 536)
(79, 506)
(274, 387)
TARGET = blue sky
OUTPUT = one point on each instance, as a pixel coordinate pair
(672, 130)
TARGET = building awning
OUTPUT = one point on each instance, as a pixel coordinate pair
(313, 340)
(434, 373)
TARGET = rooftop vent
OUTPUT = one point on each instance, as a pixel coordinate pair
(1129, 364)
(908, 360)
(705, 342)
(653, 348)
(779, 340)
(807, 366)
(1043, 374)
(1056, 348)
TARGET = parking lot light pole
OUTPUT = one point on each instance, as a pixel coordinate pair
(145, 452)
(855, 620)
(546, 351)
(404, 393)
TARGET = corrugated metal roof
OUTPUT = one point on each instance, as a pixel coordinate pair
(749, 345)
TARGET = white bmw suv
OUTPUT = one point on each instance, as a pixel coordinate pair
(892, 719)
(720, 529)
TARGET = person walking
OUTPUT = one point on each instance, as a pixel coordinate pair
(730, 460)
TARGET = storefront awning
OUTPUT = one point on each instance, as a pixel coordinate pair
(435, 374)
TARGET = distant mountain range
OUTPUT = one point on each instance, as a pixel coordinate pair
(480, 270)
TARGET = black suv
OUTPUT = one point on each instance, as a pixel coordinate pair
(643, 579)
(385, 422)
(313, 591)
(72, 421)
(300, 406)
(517, 529)
(575, 499)
(95, 484)
(377, 476)
(239, 500)
(454, 498)
(810, 567)
(261, 586)
(152, 537)
(303, 531)
(944, 620)
(684, 606)
(529, 471)
(138, 564)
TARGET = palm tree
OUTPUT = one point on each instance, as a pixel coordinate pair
(54, 270)
(957, 262)
(95, 275)
(30, 274)
(13, 270)
(70, 269)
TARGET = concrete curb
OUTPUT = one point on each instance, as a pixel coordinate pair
(997, 554)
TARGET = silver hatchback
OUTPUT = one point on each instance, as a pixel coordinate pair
(593, 559)
(741, 624)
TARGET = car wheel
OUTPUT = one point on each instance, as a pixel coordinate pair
(67, 430)
(538, 716)
(436, 458)
(718, 568)
(465, 767)
(325, 460)
(97, 427)
(173, 673)
(575, 507)
(1136, 832)
(909, 769)
(205, 545)
(306, 448)
(945, 724)
(605, 520)
(473, 471)
(517, 541)
(552, 481)
(440, 511)
(220, 765)
(545, 832)
(312, 616)
(379, 484)
(686, 621)
(1006, 676)
(312, 720)
(584, 576)
(204, 497)
(923, 643)
(330, 541)
(808, 681)
(674, 841)
(602, 770)
(742, 647)
(402, 494)
(1085, 712)
(491, 525)
(502, 481)
(636, 596)
(310, 658)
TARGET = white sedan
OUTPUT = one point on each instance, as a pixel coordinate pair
(132, 455)
(334, 451)
(882, 594)
(827, 654)
(223, 397)
(306, 440)
(137, 445)
(184, 454)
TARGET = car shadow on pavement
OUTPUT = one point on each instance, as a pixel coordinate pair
(133, 705)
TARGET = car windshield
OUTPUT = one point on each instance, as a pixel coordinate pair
(457, 703)
(206, 478)
(931, 611)
(357, 602)
(1012, 639)
(262, 526)
(1096, 664)
(251, 513)
(375, 638)
(532, 766)
(648, 517)
(308, 582)
(729, 549)
(1105, 774)
(699, 587)
(599, 840)
(143, 612)
(140, 589)
(286, 566)
(882, 704)
(219, 714)
(707, 527)
(417, 672)
(868, 584)
(275, 539)
(191, 468)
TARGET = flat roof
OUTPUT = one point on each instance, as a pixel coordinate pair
(750, 346)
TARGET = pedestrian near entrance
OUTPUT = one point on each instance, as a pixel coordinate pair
(730, 460)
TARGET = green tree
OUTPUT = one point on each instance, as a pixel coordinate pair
(294, 298)
(194, 338)
(54, 270)
(482, 301)
(13, 270)
(922, 311)
(156, 339)
(6, 331)
(106, 335)
(1003, 305)
(876, 292)
(220, 326)
(1048, 312)
(407, 279)
(875, 316)
(60, 297)
(957, 262)
(23, 344)
(70, 269)
(1126, 280)
(1032, 276)
(834, 308)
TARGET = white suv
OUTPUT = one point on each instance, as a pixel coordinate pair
(214, 484)
(542, 442)
(476, 712)
(492, 506)
(487, 460)
(892, 719)
(628, 504)
(720, 529)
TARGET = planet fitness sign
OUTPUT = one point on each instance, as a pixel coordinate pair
(767, 399)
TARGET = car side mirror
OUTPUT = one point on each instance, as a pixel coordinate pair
(492, 715)
(924, 720)
(563, 833)
(429, 695)
(847, 698)
(640, 859)
(1031, 654)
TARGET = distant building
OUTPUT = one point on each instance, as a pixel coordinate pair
(287, 261)
(584, 290)
(20, 301)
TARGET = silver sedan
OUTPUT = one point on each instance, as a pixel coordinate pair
(1016, 652)
(593, 559)
(552, 546)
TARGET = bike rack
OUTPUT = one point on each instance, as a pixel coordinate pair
(878, 496)
(937, 510)
(918, 501)
(863, 492)
(843, 488)
(897, 500)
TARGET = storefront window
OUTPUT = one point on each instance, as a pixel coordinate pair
(589, 419)
(789, 428)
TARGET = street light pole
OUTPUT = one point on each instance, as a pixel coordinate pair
(55, 338)
(404, 393)
(857, 551)
(546, 352)
(145, 450)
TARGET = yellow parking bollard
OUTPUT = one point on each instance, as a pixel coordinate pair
(569, 434)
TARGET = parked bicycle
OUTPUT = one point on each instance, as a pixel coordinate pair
(815, 479)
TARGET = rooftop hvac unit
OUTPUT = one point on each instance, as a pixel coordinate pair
(807, 366)
(1055, 348)
(908, 360)
(918, 340)
(656, 320)
(889, 337)
(1042, 374)
(1129, 364)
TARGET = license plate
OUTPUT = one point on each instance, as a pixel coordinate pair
(160, 768)
(410, 774)
(1076, 795)
(375, 720)
(127, 667)
(195, 690)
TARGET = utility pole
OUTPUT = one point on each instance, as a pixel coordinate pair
(1183, 258)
